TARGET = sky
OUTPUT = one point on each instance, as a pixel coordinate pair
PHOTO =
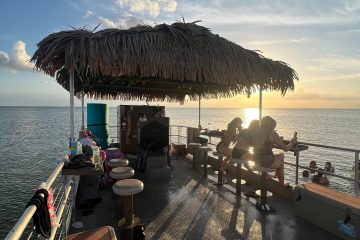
(319, 39)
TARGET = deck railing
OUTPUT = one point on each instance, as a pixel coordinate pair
(61, 187)
(179, 133)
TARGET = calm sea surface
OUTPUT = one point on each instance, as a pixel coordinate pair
(33, 138)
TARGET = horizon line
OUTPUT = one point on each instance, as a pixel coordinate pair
(198, 108)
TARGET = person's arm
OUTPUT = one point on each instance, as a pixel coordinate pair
(279, 142)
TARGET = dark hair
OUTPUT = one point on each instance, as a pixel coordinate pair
(328, 163)
(305, 173)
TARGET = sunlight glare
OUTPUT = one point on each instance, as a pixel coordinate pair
(249, 115)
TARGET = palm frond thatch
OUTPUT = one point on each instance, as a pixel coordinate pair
(165, 62)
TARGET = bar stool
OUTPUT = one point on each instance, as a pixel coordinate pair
(120, 173)
(204, 152)
(220, 167)
(112, 149)
(102, 233)
(238, 179)
(117, 162)
(195, 147)
(126, 189)
(263, 205)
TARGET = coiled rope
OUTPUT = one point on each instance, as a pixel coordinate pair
(41, 217)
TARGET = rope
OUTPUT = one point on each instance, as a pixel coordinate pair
(41, 217)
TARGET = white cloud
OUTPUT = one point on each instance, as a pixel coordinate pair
(4, 58)
(125, 22)
(275, 12)
(107, 23)
(88, 14)
(301, 40)
(19, 61)
(152, 7)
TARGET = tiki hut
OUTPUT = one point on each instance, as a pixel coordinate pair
(165, 62)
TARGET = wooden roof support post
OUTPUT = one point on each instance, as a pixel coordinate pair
(82, 111)
(260, 103)
(199, 125)
(72, 110)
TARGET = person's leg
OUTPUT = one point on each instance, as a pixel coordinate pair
(278, 165)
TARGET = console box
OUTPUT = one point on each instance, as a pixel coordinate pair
(333, 211)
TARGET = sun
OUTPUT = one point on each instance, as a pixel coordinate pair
(249, 115)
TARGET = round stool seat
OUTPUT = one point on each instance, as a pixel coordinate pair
(112, 149)
(117, 162)
(194, 144)
(122, 172)
(128, 187)
(219, 154)
(205, 149)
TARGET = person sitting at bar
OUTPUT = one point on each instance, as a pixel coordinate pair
(320, 178)
(244, 141)
(264, 139)
(230, 134)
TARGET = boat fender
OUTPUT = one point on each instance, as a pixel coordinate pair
(41, 217)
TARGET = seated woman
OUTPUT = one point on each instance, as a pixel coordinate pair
(264, 138)
(244, 141)
(230, 136)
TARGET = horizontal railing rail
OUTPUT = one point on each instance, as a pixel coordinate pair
(61, 203)
(356, 152)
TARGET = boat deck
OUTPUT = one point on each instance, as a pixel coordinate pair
(188, 206)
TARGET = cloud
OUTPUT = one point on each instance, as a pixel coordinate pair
(125, 22)
(107, 23)
(18, 61)
(311, 96)
(152, 7)
(88, 14)
(301, 40)
(276, 12)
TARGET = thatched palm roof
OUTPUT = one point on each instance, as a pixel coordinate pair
(165, 62)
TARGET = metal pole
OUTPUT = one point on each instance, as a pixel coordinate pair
(260, 103)
(82, 111)
(356, 172)
(72, 120)
(297, 167)
(199, 110)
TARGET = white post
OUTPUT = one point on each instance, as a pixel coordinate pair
(260, 103)
(72, 120)
(199, 110)
(357, 174)
(82, 112)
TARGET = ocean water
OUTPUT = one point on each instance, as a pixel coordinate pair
(32, 139)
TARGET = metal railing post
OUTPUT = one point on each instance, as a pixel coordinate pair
(356, 172)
